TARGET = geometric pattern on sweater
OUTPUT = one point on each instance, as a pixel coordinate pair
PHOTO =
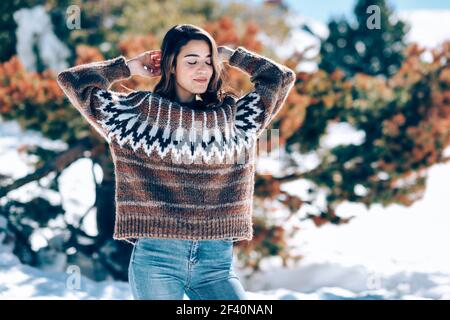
(146, 120)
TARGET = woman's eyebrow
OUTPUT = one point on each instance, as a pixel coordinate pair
(195, 55)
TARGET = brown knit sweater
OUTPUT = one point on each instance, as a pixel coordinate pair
(180, 172)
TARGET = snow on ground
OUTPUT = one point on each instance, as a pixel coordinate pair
(383, 253)
(18, 281)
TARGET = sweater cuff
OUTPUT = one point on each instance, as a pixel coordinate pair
(240, 58)
(249, 61)
(118, 69)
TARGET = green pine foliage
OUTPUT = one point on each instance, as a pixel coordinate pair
(373, 44)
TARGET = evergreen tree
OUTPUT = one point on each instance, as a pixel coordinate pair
(373, 45)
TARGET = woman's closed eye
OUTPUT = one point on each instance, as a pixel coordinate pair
(196, 63)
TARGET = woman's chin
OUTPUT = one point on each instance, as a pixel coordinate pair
(199, 91)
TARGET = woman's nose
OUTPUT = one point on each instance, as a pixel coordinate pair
(204, 67)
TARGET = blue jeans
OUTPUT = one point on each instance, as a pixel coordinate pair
(165, 269)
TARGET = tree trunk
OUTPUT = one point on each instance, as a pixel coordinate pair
(105, 199)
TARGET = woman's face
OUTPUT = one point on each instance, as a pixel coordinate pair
(193, 62)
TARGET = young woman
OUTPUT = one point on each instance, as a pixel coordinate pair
(184, 158)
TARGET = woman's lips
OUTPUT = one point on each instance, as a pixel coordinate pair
(201, 81)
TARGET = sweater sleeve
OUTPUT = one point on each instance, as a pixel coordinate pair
(272, 82)
(80, 83)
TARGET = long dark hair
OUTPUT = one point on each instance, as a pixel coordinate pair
(178, 36)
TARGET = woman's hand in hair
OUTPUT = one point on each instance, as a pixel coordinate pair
(147, 64)
(224, 53)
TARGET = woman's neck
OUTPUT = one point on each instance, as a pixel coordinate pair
(189, 102)
(184, 96)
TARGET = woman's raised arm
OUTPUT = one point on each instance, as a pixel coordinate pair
(272, 83)
(84, 84)
(80, 83)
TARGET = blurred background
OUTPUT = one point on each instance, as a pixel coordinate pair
(355, 202)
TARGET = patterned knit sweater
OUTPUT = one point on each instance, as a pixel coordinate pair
(180, 171)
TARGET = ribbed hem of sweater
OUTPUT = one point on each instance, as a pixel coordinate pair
(131, 227)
